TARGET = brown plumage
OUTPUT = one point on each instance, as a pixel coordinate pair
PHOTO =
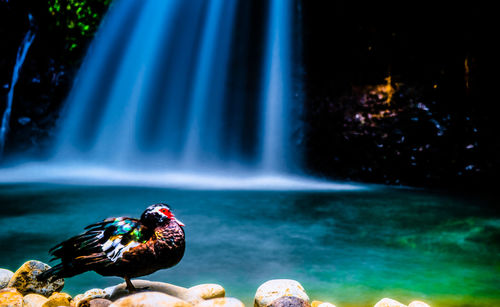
(124, 247)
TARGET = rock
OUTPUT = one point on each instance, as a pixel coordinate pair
(13, 290)
(10, 297)
(221, 302)
(24, 279)
(150, 299)
(58, 299)
(418, 304)
(316, 303)
(109, 290)
(326, 304)
(5, 276)
(82, 300)
(100, 302)
(289, 301)
(387, 302)
(274, 289)
(193, 295)
(120, 290)
(34, 300)
(206, 291)
(77, 298)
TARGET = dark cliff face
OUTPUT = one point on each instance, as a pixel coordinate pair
(437, 128)
(49, 68)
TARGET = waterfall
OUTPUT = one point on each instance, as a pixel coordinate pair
(21, 55)
(277, 88)
(154, 91)
(181, 94)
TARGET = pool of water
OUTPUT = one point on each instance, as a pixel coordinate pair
(351, 248)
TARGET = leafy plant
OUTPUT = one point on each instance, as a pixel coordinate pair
(79, 19)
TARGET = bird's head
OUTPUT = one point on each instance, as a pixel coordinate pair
(158, 214)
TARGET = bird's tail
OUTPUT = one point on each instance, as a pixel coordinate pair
(56, 271)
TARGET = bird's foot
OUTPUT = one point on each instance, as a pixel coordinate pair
(131, 289)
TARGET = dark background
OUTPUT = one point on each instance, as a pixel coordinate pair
(423, 46)
(438, 130)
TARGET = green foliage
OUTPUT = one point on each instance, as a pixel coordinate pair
(79, 19)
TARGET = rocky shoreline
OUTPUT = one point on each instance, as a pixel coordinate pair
(22, 289)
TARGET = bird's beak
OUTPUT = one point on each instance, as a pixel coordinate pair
(179, 222)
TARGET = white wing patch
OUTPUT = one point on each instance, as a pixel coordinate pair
(114, 249)
(100, 235)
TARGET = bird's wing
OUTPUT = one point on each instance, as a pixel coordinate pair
(121, 235)
(103, 243)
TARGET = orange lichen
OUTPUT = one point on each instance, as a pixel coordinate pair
(384, 91)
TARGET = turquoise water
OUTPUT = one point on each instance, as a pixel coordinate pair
(349, 248)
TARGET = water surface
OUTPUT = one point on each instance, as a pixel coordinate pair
(348, 247)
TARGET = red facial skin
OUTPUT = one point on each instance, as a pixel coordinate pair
(167, 212)
(170, 215)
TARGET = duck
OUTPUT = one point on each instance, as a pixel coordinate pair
(122, 246)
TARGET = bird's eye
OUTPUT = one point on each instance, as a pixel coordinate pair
(166, 212)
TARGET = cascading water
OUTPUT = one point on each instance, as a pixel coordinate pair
(157, 96)
(276, 88)
(21, 56)
(183, 94)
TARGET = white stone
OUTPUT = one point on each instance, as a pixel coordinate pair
(387, 302)
(109, 290)
(34, 300)
(5, 276)
(77, 297)
(418, 304)
(206, 291)
(120, 290)
(150, 299)
(221, 302)
(193, 295)
(326, 304)
(273, 289)
(89, 295)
